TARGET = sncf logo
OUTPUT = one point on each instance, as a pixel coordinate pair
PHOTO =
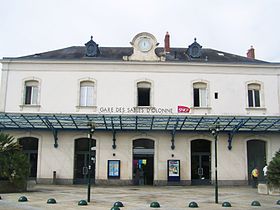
(183, 109)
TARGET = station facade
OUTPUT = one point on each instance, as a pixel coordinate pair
(142, 114)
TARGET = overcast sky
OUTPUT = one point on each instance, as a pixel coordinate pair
(34, 26)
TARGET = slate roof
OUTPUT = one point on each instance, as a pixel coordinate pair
(117, 53)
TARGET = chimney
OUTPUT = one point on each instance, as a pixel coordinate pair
(251, 53)
(167, 43)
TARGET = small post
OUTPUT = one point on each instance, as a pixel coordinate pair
(54, 177)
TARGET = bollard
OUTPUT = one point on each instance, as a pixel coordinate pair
(193, 204)
(51, 201)
(22, 199)
(155, 204)
(115, 208)
(82, 203)
(255, 203)
(54, 177)
(226, 204)
(118, 204)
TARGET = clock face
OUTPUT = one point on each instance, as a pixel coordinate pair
(145, 44)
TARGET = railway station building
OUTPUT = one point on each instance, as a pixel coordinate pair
(142, 114)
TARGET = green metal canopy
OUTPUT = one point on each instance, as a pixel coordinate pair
(114, 122)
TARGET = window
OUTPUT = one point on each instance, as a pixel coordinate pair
(31, 92)
(86, 93)
(200, 94)
(254, 95)
(143, 94)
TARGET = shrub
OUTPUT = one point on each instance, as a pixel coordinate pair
(273, 170)
(14, 165)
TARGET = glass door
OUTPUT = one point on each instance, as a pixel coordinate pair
(200, 169)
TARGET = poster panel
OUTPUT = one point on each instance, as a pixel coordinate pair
(173, 167)
(114, 169)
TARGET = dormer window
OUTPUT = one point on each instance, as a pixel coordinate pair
(92, 49)
(194, 50)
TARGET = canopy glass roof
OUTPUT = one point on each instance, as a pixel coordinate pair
(138, 122)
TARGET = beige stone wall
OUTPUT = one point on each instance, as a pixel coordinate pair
(173, 81)
(232, 164)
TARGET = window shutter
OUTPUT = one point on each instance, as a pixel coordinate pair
(83, 96)
(34, 95)
(203, 99)
(257, 98)
(89, 99)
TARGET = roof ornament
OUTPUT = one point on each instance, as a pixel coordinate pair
(92, 49)
(194, 50)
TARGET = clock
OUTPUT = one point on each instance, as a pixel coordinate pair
(145, 44)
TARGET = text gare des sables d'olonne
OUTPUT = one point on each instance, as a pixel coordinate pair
(135, 110)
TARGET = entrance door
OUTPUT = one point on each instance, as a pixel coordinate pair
(30, 148)
(143, 162)
(200, 162)
(256, 156)
(81, 161)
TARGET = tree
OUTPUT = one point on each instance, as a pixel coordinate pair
(14, 165)
(273, 170)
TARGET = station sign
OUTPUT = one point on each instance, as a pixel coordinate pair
(144, 110)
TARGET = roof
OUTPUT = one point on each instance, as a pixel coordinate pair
(117, 53)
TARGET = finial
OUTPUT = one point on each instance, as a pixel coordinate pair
(195, 39)
(91, 37)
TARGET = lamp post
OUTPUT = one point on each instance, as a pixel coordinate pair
(91, 127)
(215, 132)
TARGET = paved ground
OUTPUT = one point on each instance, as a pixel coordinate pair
(137, 198)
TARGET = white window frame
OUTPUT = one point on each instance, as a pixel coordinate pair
(255, 85)
(203, 87)
(144, 82)
(87, 81)
(86, 93)
(35, 84)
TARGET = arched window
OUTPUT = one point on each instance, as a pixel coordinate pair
(200, 94)
(254, 90)
(31, 92)
(87, 93)
(144, 94)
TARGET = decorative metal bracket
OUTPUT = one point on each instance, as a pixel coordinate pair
(173, 135)
(230, 136)
(234, 131)
(114, 146)
(54, 131)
